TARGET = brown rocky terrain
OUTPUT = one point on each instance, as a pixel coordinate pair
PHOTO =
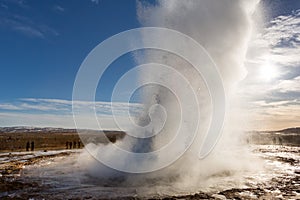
(15, 139)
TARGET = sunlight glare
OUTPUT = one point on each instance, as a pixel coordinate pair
(268, 72)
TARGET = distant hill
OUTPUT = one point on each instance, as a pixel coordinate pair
(289, 136)
(26, 129)
(290, 130)
(295, 130)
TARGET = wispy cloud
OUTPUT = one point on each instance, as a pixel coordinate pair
(59, 121)
(58, 8)
(34, 104)
(292, 85)
(274, 117)
(95, 1)
(284, 38)
(274, 103)
(8, 106)
(11, 19)
(105, 108)
(19, 3)
(30, 31)
(4, 6)
(58, 112)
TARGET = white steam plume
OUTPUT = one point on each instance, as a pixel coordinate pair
(223, 28)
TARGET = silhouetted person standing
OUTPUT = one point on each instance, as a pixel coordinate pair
(70, 144)
(67, 145)
(274, 140)
(74, 145)
(27, 146)
(79, 144)
(32, 146)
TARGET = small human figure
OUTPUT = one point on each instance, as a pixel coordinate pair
(74, 144)
(67, 145)
(113, 139)
(79, 144)
(70, 145)
(274, 140)
(32, 146)
(27, 146)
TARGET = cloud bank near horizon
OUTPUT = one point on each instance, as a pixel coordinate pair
(58, 113)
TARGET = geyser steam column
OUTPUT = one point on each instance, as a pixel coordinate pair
(173, 66)
(224, 28)
(117, 156)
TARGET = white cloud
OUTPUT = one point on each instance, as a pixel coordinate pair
(105, 108)
(292, 85)
(27, 106)
(25, 25)
(4, 6)
(284, 38)
(32, 106)
(58, 8)
(7, 106)
(274, 103)
(279, 43)
(95, 1)
(30, 31)
(60, 101)
(58, 113)
(61, 121)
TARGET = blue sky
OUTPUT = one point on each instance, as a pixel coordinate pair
(43, 43)
(279, 7)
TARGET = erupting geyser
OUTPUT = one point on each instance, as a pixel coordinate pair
(223, 28)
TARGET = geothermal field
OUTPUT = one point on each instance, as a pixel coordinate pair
(272, 172)
(164, 99)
